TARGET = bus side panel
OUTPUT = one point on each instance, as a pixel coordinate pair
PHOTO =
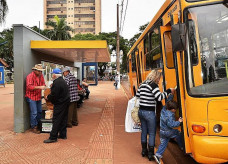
(130, 74)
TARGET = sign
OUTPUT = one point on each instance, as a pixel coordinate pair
(46, 127)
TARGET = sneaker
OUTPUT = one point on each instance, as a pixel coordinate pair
(157, 159)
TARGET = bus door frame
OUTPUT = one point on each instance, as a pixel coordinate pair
(138, 68)
(169, 74)
(176, 60)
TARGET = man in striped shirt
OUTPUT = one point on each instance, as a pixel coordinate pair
(72, 85)
(34, 84)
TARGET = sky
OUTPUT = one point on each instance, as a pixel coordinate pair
(139, 12)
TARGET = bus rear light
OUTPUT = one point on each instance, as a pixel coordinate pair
(198, 128)
(217, 128)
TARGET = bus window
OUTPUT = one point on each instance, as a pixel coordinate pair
(146, 52)
(128, 63)
(133, 62)
(155, 48)
(168, 50)
(146, 46)
(212, 30)
(192, 43)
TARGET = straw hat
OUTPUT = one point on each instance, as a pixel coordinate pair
(38, 67)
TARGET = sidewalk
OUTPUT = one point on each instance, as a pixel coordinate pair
(99, 139)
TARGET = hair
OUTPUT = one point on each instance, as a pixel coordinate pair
(153, 75)
(83, 78)
(57, 75)
(171, 105)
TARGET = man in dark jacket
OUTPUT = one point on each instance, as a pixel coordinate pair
(60, 97)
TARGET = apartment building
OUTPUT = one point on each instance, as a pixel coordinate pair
(84, 16)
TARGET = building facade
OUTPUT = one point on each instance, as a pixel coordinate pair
(84, 16)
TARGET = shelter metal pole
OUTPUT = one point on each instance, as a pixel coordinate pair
(118, 48)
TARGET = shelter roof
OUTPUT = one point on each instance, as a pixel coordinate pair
(75, 51)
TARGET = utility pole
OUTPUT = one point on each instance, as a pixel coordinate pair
(118, 49)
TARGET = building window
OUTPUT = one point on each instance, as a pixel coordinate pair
(84, 15)
(84, 1)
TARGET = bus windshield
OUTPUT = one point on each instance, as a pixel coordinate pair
(207, 50)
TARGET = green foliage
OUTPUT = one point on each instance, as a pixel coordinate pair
(6, 47)
(111, 41)
(136, 36)
(60, 29)
(3, 10)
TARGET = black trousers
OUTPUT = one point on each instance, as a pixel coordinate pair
(60, 116)
(81, 98)
(72, 114)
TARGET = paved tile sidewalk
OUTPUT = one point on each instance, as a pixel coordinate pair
(99, 139)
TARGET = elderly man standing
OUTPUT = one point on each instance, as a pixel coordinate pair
(72, 85)
(60, 97)
(34, 84)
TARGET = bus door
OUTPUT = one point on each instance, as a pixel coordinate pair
(169, 74)
(138, 65)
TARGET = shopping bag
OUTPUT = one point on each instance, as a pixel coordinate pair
(135, 111)
(130, 125)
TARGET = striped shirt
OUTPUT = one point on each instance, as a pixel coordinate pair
(72, 84)
(148, 93)
(31, 81)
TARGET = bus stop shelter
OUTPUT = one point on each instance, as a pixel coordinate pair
(31, 48)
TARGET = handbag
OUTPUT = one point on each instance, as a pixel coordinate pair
(135, 111)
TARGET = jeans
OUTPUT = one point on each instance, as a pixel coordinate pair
(35, 111)
(164, 139)
(148, 125)
(87, 93)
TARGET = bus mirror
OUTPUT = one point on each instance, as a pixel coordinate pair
(178, 34)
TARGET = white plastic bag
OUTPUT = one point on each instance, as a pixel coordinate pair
(130, 125)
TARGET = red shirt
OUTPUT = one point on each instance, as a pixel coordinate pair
(31, 81)
(79, 87)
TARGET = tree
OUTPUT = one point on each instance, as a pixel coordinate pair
(111, 41)
(6, 47)
(3, 10)
(60, 29)
(136, 36)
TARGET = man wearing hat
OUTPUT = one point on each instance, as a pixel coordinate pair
(72, 85)
(60, 97)
(34, 84)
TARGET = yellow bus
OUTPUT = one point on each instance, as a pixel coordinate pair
(187, 40)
